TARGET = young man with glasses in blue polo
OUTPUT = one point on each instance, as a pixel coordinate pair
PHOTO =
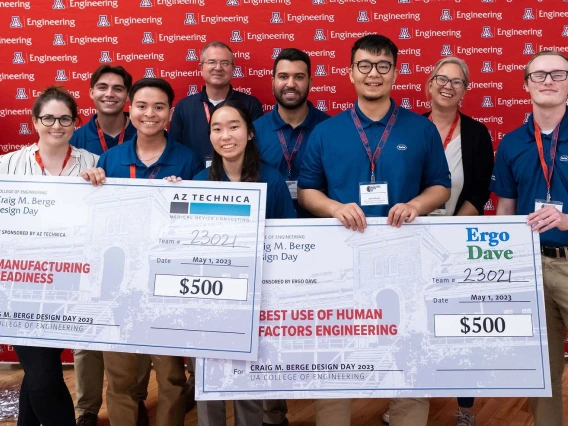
(374, 144)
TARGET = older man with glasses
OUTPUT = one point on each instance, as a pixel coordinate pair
(190, 122)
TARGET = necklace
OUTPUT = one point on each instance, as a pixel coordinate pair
(151, 158)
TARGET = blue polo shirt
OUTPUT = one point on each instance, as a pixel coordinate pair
(518, 173)
(189, 124)
(87, 137)
(176, 160)
(412, 160)
(278, 200)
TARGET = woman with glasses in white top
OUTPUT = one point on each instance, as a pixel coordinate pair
(44, 397)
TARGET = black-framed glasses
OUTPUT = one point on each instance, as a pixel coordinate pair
(556, 75)
(442, 80)
(365, 67)
(213, 63)
(49, 120)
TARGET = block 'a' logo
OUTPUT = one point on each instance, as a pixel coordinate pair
(232, 2)
(18, 58)
(363, 17)
(528, 14)
(320, 36)
(318, 2)
(320, 71)
(528, 50)
(149, 73)
(405, 103)
(527, 116)
(275, 52)
(446, 50)
(21, 93)
(489, 205)
(190, 19)
(146, 3)
(238, 72)
(404, 33)
(565, 31)
(486, 67)
(321, 105)
(15, 22)
(487, 102)
(276, 18)
(24, 129)
(192, 90)
(236, 36)
(105, 56)
(58, 40)
(405, 68)
(486, 32)
(191, 55)
(147, 38)
(403, 1)
(58, 4)
(446, 15)
(103, 21)
(60, 76)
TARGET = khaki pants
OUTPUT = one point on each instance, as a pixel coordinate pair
(403, 412)
(213, 413)
(121, 371)
(274, 411)
(548, 411)
(89, 375)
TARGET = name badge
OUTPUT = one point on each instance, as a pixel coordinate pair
(539, 204)
(440, 211)
(208, 161)
(373, 194)
(293, 188)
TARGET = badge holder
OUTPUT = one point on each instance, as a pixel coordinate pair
(373, 194)
(440, 211)
(293, 188)
(208, 161)
(539, 204)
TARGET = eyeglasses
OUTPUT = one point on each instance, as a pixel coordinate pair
(442, 80)
(540, 76)
(49, 120)
(365, 67)
(213, 63)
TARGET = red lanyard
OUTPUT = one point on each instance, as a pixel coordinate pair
(452, 129)
(102, 135)
(207, 113)
(39, 161)
(553, 145)
(287, 156)
(153, 175)
(386, 133)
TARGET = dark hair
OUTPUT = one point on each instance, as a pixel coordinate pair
(293, 54)
(55, 93)
(542, 53)
(107, 69)
(251, 163)
(375, 44)
(158, 83)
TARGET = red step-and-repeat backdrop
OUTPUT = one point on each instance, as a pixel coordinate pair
(63, 41)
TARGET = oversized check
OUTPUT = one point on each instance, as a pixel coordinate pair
(439, 307)
(132, 266)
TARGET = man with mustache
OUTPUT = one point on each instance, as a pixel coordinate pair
(190, 122)
(283, 133)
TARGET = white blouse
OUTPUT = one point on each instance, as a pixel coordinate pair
(455, 164)
(23, 162)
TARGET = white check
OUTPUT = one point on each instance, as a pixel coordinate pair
(132, 266)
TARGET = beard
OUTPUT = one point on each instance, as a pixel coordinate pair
(290, 103)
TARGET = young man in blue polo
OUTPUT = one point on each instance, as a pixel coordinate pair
(110, 126)
(151, 154)
(531, 178)
(283, 133)
(380, 146)
(190, 122)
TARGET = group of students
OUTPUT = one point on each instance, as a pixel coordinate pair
(314, 166)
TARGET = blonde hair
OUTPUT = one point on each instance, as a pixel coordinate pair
(449, 60)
